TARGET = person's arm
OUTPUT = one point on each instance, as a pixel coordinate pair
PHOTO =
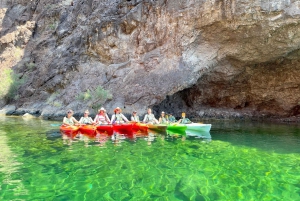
(91, 120)
(124, 118)
(132, 118)
(96, 119)
(145, 118)
(81, 119)
(65, 121)
(156, 121)
(113, 118)
(107, 118)
(75, 120)
(159, 120)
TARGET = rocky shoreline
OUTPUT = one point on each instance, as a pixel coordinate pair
(205, 115)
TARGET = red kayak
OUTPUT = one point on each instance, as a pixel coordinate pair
(108, 129)
(70, 131)
(88, 130)
(123, 128)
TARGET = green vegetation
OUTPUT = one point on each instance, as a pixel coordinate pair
(85, 96)
(57, 104)
(95, 98)
(30, 65)
(53, 26)
(10, 84)
(51, 100)
(50, 6)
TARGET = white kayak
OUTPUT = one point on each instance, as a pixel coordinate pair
(196, 127)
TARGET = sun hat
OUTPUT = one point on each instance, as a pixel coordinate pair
(163, 112)
(70, 112)
(86, 112)
(102, 108)
(117, 108)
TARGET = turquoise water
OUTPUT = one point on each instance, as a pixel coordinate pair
(241, 161)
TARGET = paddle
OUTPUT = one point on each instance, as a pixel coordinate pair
(55, 125)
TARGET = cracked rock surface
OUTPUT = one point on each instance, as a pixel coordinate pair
(213, 58)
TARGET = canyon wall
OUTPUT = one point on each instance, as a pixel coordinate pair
(213, 58)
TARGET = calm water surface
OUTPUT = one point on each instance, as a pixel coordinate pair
(241, 161)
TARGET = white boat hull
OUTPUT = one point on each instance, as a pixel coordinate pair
(196, 127)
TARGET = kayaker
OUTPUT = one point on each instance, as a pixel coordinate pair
(135, 117)
(171, 118)
(118, 117)
(69, 120)
(150, 118)
(163, 119)
(184, 120)
(102, 117)
(86, 119)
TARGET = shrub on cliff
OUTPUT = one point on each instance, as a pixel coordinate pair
(9, 85)
(95, 97)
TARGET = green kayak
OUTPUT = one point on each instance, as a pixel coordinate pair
(177, 132)
(177, 127)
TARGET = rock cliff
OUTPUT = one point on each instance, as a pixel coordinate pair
(213, 58)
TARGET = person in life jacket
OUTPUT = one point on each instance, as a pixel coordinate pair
(172, 119)
(163, 119)
(184, 120)
(102, 117)
(135, 117)
(150, 118)
(86, 119)
(69, 120)
(118, 117)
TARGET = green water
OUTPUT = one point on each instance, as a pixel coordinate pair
(242, 161)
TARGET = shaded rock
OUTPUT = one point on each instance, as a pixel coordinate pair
(8, 110)
(207, 58)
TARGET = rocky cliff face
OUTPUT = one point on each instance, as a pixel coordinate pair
(219, 58)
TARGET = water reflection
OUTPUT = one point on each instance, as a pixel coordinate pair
(100, 139)
(8, 166)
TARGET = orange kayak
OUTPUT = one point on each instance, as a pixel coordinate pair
(70, 131)
(136, 127)
(158, 127)
(88, 130)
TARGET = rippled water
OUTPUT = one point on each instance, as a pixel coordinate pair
(241, 161)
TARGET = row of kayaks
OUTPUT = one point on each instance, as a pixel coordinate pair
(129, 128)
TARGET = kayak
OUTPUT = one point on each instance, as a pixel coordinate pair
(199, 134)
(105, 128)
(158, 127)
(139, 127)
(177, 128)
(70, 131)
(176, 132)
(196, 127)
(88, 130)
(122, 128)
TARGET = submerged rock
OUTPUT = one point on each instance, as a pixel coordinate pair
(28, 116)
